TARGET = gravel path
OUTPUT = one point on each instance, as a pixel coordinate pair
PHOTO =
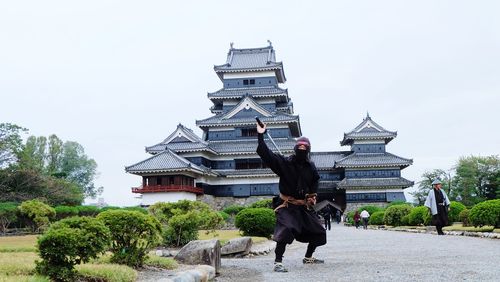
(376, 255)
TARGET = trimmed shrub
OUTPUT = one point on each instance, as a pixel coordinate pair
(350, 217)
(103, 209)
(256, 222)
(464, 217)
(370, 209)
(265, 203)
(69, 242)
(224, 215)
(183, 219)
(377, 218)
(37, 213)
(87, 210)
(8, 214)
(405, 220)
(417, 215)
(398, 203)
(486, 213)
(233, 209)
(65, 211)
(133, 234)
(454, 212)
(394, 214)
(139, 209)
(181, 229)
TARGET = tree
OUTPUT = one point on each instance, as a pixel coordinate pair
(10, 143)
(477, 179)
(61, 160)
(38, 213)
(7, 215)
(425, 185)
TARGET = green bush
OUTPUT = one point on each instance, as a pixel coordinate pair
(464, 217)
(139, 209)
(398, 203)
(233, 209)
(405, 220)
(350, 217)
(69, 242)
(417, 215)
(8, 214)
(103, 209)
(486, 213)
(370, 209)
(133, 234)
(182, 228)
(37, 213)
(377, 218)
(256, 222)
(394, 214)
(224, 215)
(87, 210)
(65, 211)
(454, 212)
(183, 219)
(265, 203)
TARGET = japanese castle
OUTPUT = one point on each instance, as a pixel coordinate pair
(222, 167)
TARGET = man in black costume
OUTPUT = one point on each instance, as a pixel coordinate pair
(298, 185)
(438, 203)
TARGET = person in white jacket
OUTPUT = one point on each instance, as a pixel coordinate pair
(365, 215)
(438, 203)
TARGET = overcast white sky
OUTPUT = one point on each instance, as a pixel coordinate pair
(117, 76)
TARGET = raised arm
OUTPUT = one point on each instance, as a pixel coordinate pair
(272, 160)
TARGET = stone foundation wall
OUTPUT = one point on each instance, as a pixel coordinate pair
(354, 206)
(219, 203)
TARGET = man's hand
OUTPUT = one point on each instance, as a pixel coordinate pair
(261, 130)
(311, 201)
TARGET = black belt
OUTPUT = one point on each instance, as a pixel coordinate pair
(441, 204)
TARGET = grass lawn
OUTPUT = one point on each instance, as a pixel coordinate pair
(459, 227)
(18, 243)
(226, 235)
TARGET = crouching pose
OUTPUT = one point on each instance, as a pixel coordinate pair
(298, 184)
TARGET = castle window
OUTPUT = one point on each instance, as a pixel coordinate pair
(245, 81)
(252, 81)
(248, 132)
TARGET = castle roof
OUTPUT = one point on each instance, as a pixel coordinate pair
(326, 160)
(256, 92)
(367, 183)
(368, 130)
(251, 59)
(182, 139)
(166, 161)
(363, 160)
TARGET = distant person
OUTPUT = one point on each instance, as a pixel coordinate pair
(298, 186)
(338, 216)
(438, 203)
(356, 219)
(327, 215)
(365, 215)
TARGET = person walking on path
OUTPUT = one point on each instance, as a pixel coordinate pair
(356, 219)
(327, 215)
(438, 204)
(298, 186)
(365, 215)
(338, 216)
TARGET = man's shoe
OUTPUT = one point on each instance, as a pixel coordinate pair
(312, 260)
(279, 267)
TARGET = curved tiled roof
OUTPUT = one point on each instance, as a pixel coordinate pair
(326, 160)
(368, 130)
(267, 91)
(233, 173)
(167, 161)
(372, 160)
(374, 182)
(251, 59)
(218, 120)
(250, 146)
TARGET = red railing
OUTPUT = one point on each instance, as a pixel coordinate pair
(167, 188)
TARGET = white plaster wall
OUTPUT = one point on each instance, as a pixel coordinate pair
(250, 74)
(152, 198)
